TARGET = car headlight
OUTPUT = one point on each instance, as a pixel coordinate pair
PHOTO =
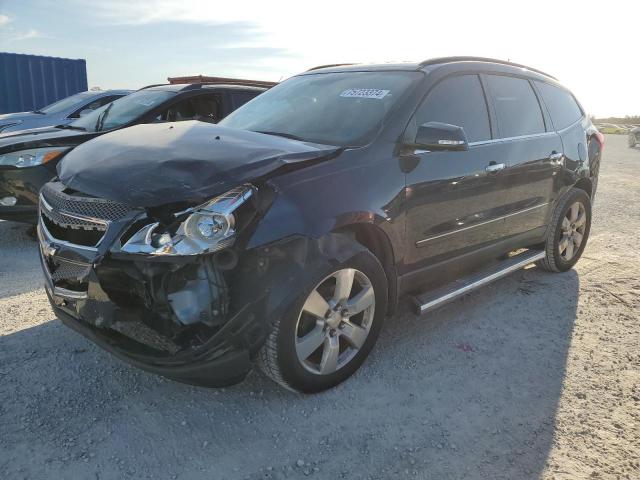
(203, 229)
(32, 157)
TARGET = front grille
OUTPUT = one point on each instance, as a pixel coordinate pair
(76, 218)
(75, 222)
(91, 207)
(68, 271)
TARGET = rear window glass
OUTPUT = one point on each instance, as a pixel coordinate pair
(517, 107)
(563, 108)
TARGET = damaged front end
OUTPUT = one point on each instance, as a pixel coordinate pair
(153, 287)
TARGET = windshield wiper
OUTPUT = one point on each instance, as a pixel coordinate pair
(281, 134)
(102, 118)
(38, 112)
(72, 127)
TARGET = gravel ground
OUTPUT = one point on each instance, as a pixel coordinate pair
(536, 376)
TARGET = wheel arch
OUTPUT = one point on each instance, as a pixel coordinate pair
(584, 184)
(377, 242)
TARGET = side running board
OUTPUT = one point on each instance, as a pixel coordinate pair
(428, 301)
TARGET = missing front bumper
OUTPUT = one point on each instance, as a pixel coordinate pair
(215, 369)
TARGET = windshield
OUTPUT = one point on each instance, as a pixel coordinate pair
(67, 103)
(122, 111)
(343, 109)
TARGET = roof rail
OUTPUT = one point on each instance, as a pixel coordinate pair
(221, 80)
(154, 85)
(195, 86)
(434, 61)
(329, 65)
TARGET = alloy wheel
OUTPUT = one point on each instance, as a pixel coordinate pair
(335, 321)
(572, 231)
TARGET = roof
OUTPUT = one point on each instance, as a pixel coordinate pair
(420, 66)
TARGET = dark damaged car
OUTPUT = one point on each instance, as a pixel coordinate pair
(284, 235)
(28, 158)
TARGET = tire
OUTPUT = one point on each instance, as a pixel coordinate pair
(559, 259)
(632, 140)
(283, 356)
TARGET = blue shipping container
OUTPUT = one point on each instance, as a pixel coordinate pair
(30, 82)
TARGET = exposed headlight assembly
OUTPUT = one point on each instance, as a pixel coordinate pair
(207, 228)
(32, 157)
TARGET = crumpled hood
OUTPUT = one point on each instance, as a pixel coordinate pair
(157, 164)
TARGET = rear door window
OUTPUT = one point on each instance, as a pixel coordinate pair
(517, 108)
(457, 101)
(202, 107)
(207, 108)
(563, 108)
(240, 98)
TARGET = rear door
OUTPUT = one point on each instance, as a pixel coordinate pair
(529, 152)
(567, 117)
(453, 203)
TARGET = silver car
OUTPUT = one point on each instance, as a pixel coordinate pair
(634, 136)
(61, 112)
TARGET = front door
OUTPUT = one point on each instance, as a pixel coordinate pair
(454, 203)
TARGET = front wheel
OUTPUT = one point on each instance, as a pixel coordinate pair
(327, 333)
(568, 232)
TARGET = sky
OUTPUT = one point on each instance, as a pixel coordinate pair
(589, 47)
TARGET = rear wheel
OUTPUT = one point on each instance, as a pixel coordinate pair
(633, 140)
(330, 329)
(569, 232)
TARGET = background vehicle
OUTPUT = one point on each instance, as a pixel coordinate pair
(62, 112)
(634, 136)
(287, 233)
(28, 159)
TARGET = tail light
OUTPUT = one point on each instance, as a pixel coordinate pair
(600, 137)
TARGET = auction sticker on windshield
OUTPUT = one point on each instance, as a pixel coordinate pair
(365, 93)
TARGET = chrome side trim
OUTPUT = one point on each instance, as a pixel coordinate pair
(426, 302)
(508, 139)
(419, 243)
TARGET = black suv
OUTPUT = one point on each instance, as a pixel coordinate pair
(28, 158)
(285, 234)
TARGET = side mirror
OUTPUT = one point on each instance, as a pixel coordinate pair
(441, 136)
(84, 112)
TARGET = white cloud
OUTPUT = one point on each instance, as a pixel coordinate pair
(356, 31)
(29, 34)
(4, 19)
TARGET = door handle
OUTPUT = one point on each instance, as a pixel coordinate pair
(494, 167)
(555, 157)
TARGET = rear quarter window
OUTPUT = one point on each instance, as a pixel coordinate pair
(563, 108)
